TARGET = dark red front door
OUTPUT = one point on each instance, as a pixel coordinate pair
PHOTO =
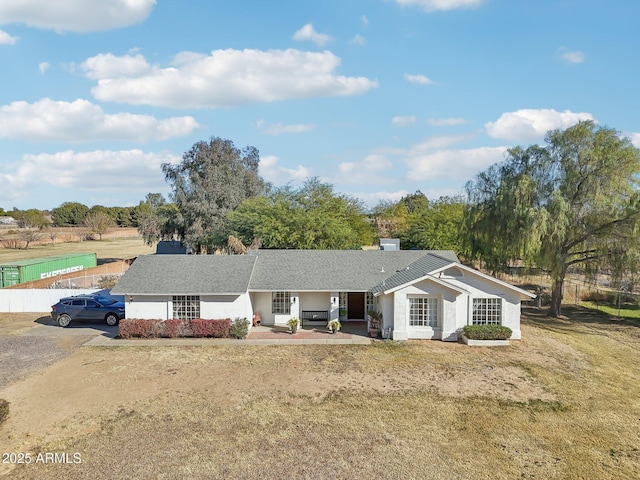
(355, 305)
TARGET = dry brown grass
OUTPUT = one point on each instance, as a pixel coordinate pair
(562, 403)
(107, 250)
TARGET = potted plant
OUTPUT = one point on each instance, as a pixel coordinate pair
(293, 324)
(334, 326)
(375, 321)
(343, 313)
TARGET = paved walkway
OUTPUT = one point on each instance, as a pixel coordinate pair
(350, 335)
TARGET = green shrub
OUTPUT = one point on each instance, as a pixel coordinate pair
(4, 410)
(487, 332)
(239, 328)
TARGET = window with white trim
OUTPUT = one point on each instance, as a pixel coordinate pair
(423, 311)
(487, 311)
(186, 307)
(368, 302)
(281, 302)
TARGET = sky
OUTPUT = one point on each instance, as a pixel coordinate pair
(380, 98)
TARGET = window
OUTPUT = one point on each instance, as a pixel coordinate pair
(487, 311)
(186, 307)
(423, 312)
(368, 302)
(281, 302)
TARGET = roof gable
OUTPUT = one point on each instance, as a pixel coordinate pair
(414, 272)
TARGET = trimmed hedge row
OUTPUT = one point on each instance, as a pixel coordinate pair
(487, 332)
(140, 328)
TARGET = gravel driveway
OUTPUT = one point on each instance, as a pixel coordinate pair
(21, 355)
(25, 349)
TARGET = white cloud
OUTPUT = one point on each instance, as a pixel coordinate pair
(453, 164)
(43, 67)
(82, 120)
(279, 128)
(373, 198)
(435, 5)
(105, 66)
(364, 20)
(418, 79)
(76, 15)
(403, 121)
(635, 138)
(6, 39)
(446, 122)
(95, 170)
(307, 32)
(367, 170)
(572, 57)
(272, 172)
(529, 124)
(224, 78)
(359, 40)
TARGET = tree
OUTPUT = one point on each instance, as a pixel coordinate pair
(390, 218)
(31, 218)
(311, 217)
(212, 180)
(159, 223)
(69, 213)
(571, 202)
(438, 226)
(29, 235)
(98, 223)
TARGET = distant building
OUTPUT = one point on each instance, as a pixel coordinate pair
(171, 247)
(6, 220)
(390, 244)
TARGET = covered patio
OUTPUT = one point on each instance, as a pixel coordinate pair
(350, 331)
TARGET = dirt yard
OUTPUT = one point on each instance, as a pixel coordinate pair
(562, 403)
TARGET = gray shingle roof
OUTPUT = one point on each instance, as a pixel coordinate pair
(327, 270)
(186, 274)
(278, 270)
(418, 269)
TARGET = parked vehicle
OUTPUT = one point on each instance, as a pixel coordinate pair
(87, 307)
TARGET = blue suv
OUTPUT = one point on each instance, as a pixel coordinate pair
(87, 307)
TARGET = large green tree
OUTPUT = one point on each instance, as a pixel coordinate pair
(310, 217)
(573, 201)
(156, 219)
(69, 213)
(438, 226)
(213, 178)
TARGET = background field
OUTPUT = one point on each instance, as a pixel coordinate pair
(110, 248)
(563, 403)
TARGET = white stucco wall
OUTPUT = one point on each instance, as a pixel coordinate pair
(261, 302)
(447, 310)
(226, 306)
(318, 301)
(480, 287)
(148, 307)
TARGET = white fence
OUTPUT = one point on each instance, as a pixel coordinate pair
(13, 300)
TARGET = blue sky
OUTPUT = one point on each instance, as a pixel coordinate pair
(379, 97)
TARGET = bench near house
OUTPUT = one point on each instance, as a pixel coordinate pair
(422, 294)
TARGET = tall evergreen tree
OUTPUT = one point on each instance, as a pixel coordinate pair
(213, 178)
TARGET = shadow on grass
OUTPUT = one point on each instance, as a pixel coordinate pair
(572, 317)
